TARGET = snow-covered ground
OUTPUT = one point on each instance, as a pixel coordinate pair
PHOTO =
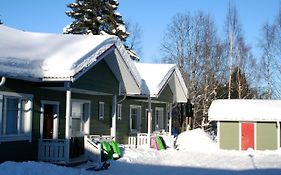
(196, 154)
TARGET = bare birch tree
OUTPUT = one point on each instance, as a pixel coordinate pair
(233, 30)
(268, 56)
(191, 42)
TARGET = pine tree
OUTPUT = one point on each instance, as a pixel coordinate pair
(1, 21)
(96, 17)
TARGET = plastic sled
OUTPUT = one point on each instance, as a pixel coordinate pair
(116, 150)
(159, 143)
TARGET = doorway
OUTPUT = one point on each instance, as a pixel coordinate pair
(49, 120)
(247, 136)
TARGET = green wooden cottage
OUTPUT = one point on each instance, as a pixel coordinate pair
(244, 124)
(150, 112)
(59, 91)
(55, 89)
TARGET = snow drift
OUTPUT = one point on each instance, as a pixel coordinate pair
(195, 139)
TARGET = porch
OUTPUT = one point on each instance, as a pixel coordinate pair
(59, 151)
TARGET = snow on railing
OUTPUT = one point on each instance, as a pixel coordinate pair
(54, 151)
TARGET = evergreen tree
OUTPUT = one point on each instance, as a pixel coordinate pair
(238, 78)
(96, 17)
(1, 21)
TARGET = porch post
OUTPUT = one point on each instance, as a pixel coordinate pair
(149, 120)
(67, 122)
(170, 119)
(113, 127)
(68, 112)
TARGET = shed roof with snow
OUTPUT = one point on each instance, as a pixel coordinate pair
(245, 110)
(155, 77)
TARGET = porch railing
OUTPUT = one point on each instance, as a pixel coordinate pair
(93, 150)
(132, 141)
(93, 147)
(54, 151)
(142, 140)
(137, 140)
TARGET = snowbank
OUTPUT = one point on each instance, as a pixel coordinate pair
(195, 139)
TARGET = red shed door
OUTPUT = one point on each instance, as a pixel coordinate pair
(248, 136)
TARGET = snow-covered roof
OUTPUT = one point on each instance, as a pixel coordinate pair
(245, 110)
(156, 76)
(46, 57)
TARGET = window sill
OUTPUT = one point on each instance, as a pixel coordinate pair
(12, 138)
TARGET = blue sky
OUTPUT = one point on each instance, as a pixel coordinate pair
(152, 15)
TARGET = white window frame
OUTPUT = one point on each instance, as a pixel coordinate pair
(84, 125)
(55, 120)
(138, 119)
(101, 110)
(119, 111)
(24, 133)
(161, 120)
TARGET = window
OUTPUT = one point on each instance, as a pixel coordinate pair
(159, 119)
(119, 111)
(80, 117)
(15, 116)
(101, 110)
(135, 118)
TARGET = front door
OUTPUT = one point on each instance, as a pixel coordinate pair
(48, 124)
(49, 120)
(247, 136)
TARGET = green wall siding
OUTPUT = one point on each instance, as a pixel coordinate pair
(98, 127)
(123, 125)
(166, 95)
(229, 135)
(100, 79)
(266, 136)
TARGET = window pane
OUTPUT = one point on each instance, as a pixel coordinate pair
(77, 112)
(135, 118)
(76, 125)
(119, 111)
(101, 110)
(11, 116)
(134, 121)
(159, 119)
